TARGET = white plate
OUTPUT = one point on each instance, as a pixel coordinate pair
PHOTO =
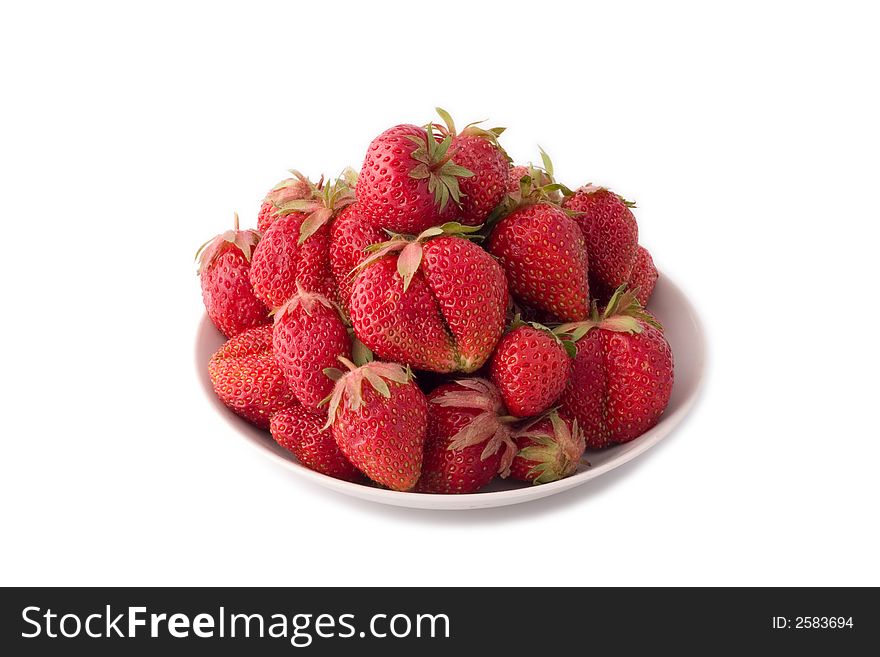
(683, 331)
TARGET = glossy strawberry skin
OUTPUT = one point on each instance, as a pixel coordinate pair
(453, 471)
(544, 255)
(584, 397)
(267, 216)
(482, 192)
(385, 438)
(644, 276)
(305, 345)
(278, 262)
(471, 291)
(247, 379)
(530, 368)
(228, 294)
(397, 326)
(611, 235)
(450, 317)
(620, 384)
(350, 235)
(387, 195)
(300, 432)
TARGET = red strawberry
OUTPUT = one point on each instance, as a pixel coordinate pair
(468, 440)
(380, 426)
(543, 253)
(408, 181)
(296, 247)
(300, 432)
(644, 276)
(530, 366)
(549, 449)
(247, 379)
(611, 233)
(622, 374)
(477, 150)
(350, 235)
(406, 327)
(224, 268)
(289, 189)
(440, 305)
(308, 337)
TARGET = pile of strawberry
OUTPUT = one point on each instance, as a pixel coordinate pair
(519, 302)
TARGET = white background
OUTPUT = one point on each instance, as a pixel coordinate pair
(130, 133)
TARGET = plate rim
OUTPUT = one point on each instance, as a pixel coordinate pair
(467, 501)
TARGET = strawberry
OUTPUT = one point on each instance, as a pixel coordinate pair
(622, 373)
(350, 236)
(409, 181)
(247, 379)
(308, 337)
(299, 431)
(477, 150)
(296, 247)
(289, 189)
(514, 175)
(380, 427)
(530, 183)
(224, 269)
(644, 276)
(530, 366)
(440, 305)
(543, 254)
(611, 234)
(550, 448)
(468, 440)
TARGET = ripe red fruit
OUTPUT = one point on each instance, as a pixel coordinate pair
(289, 189)
(408, 181)
(468, 440)
(380, 426)
(530, 366)
(611, 234)
(439, 306)
(224, 269)
(549, 449)
(350, 235)
(622, 373)
(644, 276)
(299, 431)
(308, 337)
(543, 253)
(477, 150)
(296, 247)
(247, 379)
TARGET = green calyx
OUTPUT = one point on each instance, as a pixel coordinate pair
(289, 189)
(556, 453)
(623, 314)
(322, 204)
(447, 129)
(243, 240)
(590, 188)
(568, 345)
(536, 186)
(435, 164)
(349, 385)
(304, 299)
(411, 248)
